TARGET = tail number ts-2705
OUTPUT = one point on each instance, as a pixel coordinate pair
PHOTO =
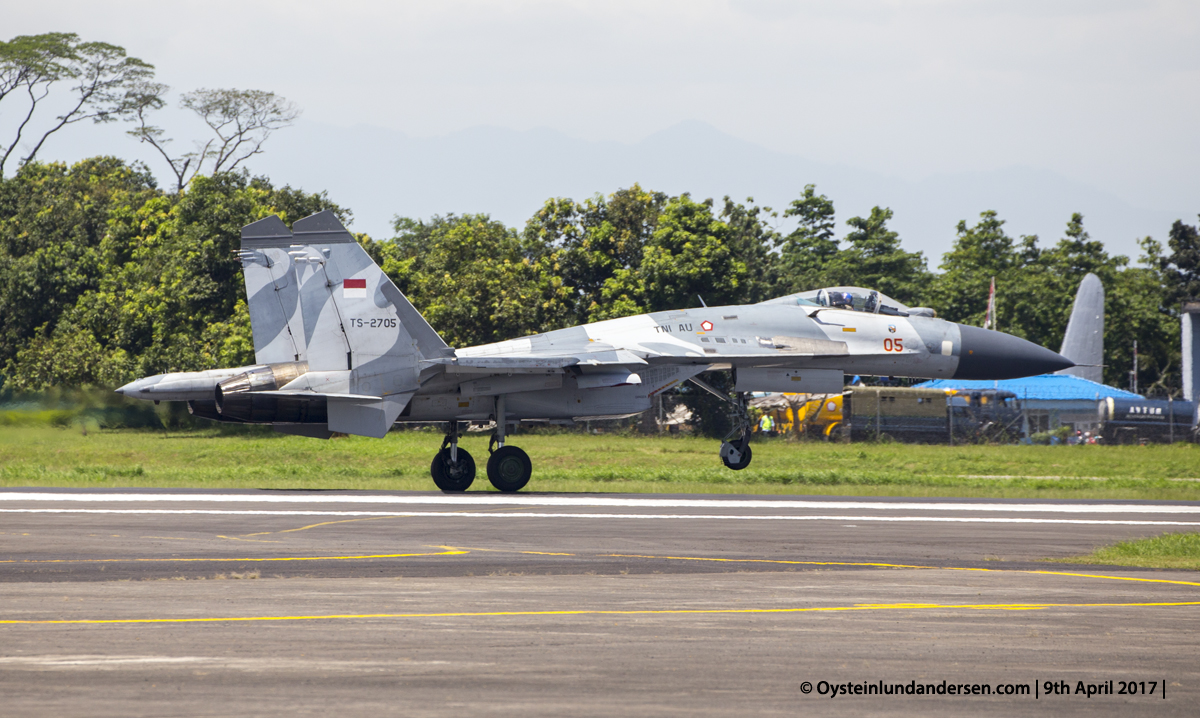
(373, 323)
(893, 345)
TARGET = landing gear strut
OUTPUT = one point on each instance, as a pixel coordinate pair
(453, 468)
(508, 468)
(735, 448)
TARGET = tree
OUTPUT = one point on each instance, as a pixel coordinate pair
(121, 280)
(472, 278)
(806, 253)
(688, 257)
(102, 74)
(240, 120)
(54, 220)
(587, 243)
(1181, 268)
(980, 253)
(875, 259)
(751, 239)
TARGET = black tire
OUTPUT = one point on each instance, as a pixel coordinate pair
(509, 469)
(746, 456)
(453, 477)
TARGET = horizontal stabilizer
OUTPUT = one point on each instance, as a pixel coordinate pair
(351, 414)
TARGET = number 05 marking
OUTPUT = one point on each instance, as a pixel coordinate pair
(893, 345)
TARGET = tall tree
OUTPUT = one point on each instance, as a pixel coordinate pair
(980, 252)
(688, 257)
(751, 238)
(240, 122)
(1181, 268)
(588, 242)
(472, 278)
(873, 258)
(101, 73)
(806, 253)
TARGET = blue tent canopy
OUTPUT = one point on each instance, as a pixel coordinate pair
(1046, 387)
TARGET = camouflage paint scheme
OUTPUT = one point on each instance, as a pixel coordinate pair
(340, 349)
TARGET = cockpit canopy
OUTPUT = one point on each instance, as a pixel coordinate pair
(855, 299)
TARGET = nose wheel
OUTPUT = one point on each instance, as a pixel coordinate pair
(735, 452)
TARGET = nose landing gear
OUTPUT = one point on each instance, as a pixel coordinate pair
(735, 452)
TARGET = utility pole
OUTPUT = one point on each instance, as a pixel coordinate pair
(1133, 375)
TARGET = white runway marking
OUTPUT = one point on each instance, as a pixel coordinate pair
(626, 502)
(529, 514)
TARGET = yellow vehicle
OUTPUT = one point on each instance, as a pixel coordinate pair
(802, 414)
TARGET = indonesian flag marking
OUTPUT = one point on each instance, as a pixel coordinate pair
(354, 289)
(706, 326)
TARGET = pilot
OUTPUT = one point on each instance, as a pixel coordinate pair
(844, 300)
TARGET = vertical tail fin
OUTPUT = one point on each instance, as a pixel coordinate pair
(336, 309)
(1083, 342)
(272, 292)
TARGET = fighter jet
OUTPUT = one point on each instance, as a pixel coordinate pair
(340, 349)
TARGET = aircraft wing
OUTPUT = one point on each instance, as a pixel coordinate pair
(535, 363)
(777, 351)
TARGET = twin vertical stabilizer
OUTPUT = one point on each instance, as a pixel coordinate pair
(315, 296)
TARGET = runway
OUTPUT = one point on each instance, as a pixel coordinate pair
(135, 602)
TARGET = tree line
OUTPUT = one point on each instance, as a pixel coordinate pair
(105, 277)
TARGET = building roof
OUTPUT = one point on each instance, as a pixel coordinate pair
(1052, 387)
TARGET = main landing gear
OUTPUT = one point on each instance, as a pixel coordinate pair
(508, 468)
(735, 448)
(453, 469)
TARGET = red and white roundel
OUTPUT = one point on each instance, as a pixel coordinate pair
(706, 325)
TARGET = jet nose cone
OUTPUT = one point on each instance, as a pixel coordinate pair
(995, 355)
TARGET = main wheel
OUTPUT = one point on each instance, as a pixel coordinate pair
(509, 468)
(742, 463)
(453, 475)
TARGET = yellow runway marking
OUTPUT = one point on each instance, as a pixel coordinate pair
(236, 538)
(903, 565)
(270, 558)
(615, 612)
(323, 523)
(502, 550)
(372, 518)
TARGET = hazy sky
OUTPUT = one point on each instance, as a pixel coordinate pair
(1103, 91)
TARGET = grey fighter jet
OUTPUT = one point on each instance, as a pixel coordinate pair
(340, 349)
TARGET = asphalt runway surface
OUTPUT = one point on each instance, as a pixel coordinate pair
(139, 602)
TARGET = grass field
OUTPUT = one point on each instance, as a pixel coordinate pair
(1167, 551)
(42, 456)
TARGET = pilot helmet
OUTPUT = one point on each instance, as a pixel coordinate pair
(841, 299)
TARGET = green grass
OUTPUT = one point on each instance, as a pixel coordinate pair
(42, 456)
(1166, 551)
